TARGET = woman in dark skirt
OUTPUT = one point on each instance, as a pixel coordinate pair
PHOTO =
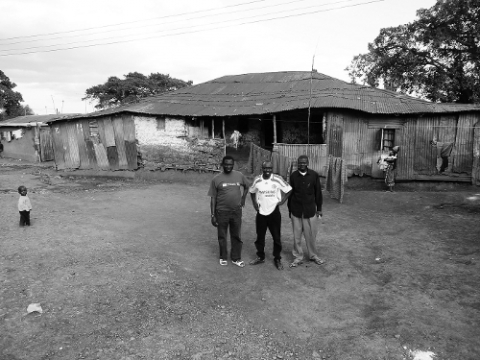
(391, 165)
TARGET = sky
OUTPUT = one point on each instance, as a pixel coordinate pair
(56, 49)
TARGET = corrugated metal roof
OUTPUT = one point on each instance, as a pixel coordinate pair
(256, 94)
(32, 120)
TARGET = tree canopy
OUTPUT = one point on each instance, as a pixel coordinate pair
(135, 86)
(10, 100)
(436, 56)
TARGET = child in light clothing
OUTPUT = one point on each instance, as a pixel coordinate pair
(24, 206)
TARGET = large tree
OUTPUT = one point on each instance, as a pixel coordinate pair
(10, 100)
(436, 56)
(135, 86)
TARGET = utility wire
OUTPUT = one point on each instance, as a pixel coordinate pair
(130, 22)
(184, 32)
(163, 23)
(175, 29)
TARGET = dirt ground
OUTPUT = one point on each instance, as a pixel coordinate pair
(129, 270)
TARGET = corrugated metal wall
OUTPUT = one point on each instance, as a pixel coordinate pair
(102, 143)
(317, 154)
(476, 155)
(462, 155)
(406, 156)
(46, 145)
(335, 133)
(355, 137)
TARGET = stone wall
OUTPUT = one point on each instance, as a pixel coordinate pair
(167, 143)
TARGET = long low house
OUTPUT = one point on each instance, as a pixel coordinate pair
(291, 113)
(27, 137)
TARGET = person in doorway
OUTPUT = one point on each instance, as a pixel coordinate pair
(268, 193)
(305, 209)
(390, 166)
(227, 201)
(1, 149)
(24, 206)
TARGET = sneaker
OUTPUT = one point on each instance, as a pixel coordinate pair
(239, 263)
(278, 264)
(257, 261)
(223, 262)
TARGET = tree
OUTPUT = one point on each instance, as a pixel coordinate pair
(436, 56)
(135, 86)
(9, 100)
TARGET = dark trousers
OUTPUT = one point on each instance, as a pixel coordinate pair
(230, 220)
(273, 223)
(24, 218)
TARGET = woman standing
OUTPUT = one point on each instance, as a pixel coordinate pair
(388, 165)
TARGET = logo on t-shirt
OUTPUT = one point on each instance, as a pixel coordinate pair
(230, 184)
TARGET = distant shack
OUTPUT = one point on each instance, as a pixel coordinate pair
(27, 138)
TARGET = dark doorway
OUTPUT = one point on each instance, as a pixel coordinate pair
(267, 134)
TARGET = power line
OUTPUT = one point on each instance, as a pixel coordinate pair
(131, 22)
(150, 25)
(185, 32)
(180, 28)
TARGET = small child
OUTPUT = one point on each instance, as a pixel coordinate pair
(24, 206)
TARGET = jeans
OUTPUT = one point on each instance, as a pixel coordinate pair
(273, 223)
(233, 220)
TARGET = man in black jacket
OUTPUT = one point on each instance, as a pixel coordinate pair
(305, 208)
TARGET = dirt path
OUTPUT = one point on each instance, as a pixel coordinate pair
(129, 271)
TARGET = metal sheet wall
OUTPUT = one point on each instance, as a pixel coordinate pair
(357, 145)
(59, 150)
(317, 154)
(425, 154)
(102, 143)
(462, 156)
(46, 145)
(406, 155)
(335, 133)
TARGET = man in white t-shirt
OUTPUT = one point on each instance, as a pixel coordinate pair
(268, 192)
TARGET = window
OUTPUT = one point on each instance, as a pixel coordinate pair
(387, 139)
(160, 123)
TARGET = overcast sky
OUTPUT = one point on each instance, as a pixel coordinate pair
(190, 40)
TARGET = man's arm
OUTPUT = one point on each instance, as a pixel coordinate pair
(244, 196)
(285, 196)
(318, 196)
(213, 206)
(245, 185)
(254, 201)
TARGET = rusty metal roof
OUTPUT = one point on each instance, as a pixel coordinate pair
(32, 120)
(262, 93)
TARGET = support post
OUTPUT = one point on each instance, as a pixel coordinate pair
(274, 129)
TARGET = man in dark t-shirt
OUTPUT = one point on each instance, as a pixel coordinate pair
(227, 201)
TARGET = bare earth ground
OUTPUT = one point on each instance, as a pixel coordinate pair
(129, 270)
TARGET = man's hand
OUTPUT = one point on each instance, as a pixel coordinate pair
(214, 221)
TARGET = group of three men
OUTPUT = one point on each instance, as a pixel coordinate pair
(268, 192)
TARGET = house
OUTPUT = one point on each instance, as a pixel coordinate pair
(27, 138)
(121, 139)
(308, 112)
